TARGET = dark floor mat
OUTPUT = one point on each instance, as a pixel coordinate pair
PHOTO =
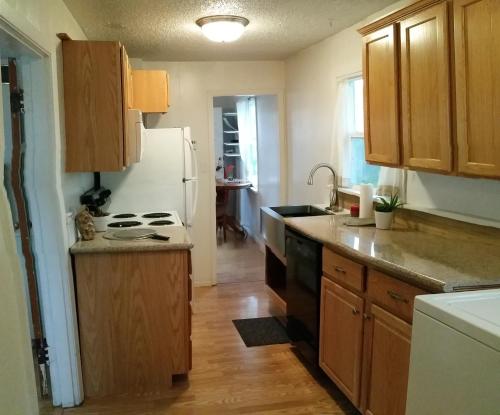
(261, 331)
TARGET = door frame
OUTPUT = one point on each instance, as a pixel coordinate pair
(280, 96)
(43, 181)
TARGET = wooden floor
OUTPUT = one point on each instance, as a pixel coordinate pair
(228, 377)
(239, 260)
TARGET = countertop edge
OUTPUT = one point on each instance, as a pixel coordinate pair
(426, 282)
(115, 249)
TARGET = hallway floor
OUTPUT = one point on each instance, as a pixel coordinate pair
(239, 260)
(228, 377)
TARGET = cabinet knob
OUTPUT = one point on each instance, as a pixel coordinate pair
(367, 316)
(355, 311)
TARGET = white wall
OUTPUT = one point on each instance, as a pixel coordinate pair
(311, 87)
(36, 23)
(269, 165)
(192, 88)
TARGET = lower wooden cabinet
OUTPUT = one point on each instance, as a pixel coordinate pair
(387, 345)
(134, 320)
(365, 336)
(341, 337)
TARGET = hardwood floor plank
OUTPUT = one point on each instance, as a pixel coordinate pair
(228, 377)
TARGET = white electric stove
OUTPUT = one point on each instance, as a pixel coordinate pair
(156, 220)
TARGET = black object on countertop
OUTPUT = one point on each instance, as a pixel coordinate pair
(261, 331)
(97, 196)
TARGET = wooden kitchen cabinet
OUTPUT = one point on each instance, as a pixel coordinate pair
(381, 96)
(134, 320)
(365, 334)
(341, 337)
(387, 343)
(477, 63)
(150, 91)
(96, 99)
(425, 90)
(431, 87)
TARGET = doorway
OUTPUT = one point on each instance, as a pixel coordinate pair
(41, 270)
(14, 168)
(247, 165)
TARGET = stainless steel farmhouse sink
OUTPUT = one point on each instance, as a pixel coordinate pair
(272, 225)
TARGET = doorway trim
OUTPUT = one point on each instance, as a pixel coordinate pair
(43, 180)
(280, 94)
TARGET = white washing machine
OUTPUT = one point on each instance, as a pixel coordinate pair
(455, 355)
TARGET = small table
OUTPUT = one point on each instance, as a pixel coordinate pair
(229, 222)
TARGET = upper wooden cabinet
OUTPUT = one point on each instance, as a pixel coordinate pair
(477, 63)
(381, 101)
(95, 105)
(150, 91)
(437, 67)
(425, 90)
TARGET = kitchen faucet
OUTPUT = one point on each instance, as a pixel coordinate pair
(334, 199)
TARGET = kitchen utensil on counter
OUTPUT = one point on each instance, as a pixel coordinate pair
(359, 222)
(135, 235)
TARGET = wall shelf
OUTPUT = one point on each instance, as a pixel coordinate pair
(231, 132)
(231, 144)
(232, 155)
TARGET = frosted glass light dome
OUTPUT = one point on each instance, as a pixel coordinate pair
(222, 28)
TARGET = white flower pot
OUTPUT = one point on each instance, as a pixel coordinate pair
(383, 220)
(101, 223)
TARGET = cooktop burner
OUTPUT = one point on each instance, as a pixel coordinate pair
(124, 224)
(124, 216)
(154, 215)
(160, 222)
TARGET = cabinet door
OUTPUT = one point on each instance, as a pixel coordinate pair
(380, 75)
(93, 106)
(477, 63)
(388, 347)
(425, 90)
(341, 337)
(129, 139)
(150, 91)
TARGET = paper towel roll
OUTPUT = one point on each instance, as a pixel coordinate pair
(365, 201)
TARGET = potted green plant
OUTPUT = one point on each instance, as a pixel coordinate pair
(384, 211)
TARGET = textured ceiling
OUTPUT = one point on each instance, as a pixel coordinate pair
(166, 29)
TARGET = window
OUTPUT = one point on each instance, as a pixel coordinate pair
(360, 170)
(247, 126)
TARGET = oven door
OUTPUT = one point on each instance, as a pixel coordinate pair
(303, 293)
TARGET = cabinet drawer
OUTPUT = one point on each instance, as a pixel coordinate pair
(392, 294)
(343, 270)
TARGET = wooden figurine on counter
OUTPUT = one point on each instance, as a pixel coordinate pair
(85, 224)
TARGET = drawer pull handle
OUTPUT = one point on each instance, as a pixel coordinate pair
(367, 316)
(355, 311)
(397, 297)
(341, 270)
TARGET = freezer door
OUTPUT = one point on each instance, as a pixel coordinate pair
(156, 183)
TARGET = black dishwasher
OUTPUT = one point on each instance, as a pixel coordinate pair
(303, 279)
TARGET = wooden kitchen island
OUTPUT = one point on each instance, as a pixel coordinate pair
(134, 313)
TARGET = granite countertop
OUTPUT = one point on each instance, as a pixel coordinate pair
(435, 263)
(179, 239)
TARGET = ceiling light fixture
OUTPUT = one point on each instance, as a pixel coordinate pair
(222, 28)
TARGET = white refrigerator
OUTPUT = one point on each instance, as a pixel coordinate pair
(164, 179)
